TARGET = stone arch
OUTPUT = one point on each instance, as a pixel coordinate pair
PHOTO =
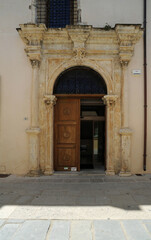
(86, 63)
(80, 80)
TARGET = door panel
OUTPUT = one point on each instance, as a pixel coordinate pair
(67, 134)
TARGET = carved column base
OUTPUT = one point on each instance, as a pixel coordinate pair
(110, 173)
(126, 135)
(48, 172)
(34, 173)
(125, 174)
(33, 151)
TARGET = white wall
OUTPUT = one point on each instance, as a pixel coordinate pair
(100, 12)
(15, 77)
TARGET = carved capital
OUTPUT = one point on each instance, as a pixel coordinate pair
(110, 100)
(50, 100)
(35, 63)
(124, 63)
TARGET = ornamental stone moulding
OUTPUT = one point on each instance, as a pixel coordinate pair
(61, 49)
(127, 35)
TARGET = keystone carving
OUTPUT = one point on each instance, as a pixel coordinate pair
(78, 36)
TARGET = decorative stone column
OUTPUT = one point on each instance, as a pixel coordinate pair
(125, 131)
(50, 101)
(127, 37)
(110, 101)
(34, 129)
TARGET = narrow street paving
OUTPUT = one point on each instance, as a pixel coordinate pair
(75, 230)
(75, 207)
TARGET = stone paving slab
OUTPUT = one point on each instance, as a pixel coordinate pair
(76, 230)
(60, 230)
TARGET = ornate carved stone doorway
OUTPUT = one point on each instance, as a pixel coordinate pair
(51, 52)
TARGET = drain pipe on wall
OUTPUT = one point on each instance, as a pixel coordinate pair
(145, 85)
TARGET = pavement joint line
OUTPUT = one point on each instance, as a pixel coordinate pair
(146, 229)
(92, 230)
(123, 229)
(49, 230)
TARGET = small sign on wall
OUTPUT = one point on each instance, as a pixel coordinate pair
(136, 72)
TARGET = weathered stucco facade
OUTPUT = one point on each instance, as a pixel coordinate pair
(27, 100)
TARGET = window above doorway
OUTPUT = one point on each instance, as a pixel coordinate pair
(57, 13)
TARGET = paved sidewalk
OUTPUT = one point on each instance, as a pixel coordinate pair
(75, 230)
(75, 207)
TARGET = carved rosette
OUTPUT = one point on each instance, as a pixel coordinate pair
(79, 53)
(50, 100)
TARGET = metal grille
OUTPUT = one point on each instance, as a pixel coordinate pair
(80, 80)
(57, 13)
(42, 11)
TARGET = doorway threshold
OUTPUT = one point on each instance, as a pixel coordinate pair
(86, 172)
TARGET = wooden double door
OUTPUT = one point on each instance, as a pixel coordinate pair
(67, 134)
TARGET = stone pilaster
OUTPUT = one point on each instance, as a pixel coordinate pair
(33, 151)
(126, 134)
(110, 101)
(50, 101)
(34, 129)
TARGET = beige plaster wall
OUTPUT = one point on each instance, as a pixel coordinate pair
(15, 77)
